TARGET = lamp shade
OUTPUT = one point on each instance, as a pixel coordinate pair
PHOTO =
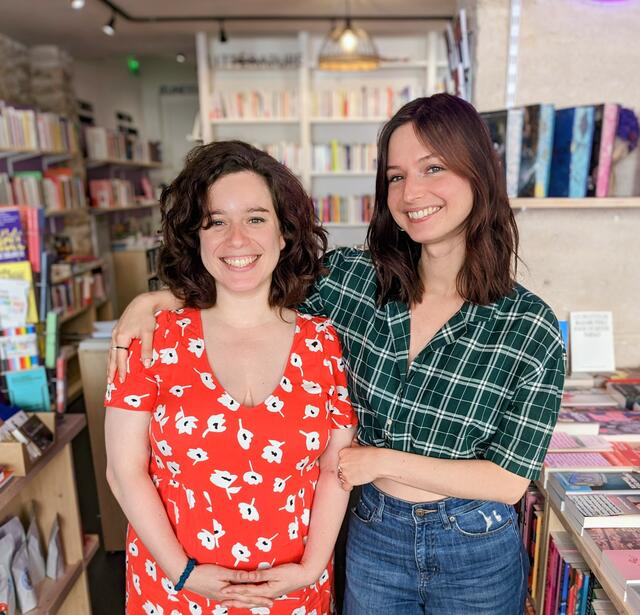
(348, 49)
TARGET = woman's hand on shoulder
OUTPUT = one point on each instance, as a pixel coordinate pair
(137, 321)
(211, 581)
(271, 583)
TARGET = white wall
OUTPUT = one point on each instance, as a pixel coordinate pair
(572, 52)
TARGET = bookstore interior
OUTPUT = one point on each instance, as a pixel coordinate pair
(100, 102)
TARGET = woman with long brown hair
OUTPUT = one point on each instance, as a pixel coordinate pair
(455, 372)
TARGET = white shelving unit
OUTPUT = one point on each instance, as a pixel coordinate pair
(416, 62)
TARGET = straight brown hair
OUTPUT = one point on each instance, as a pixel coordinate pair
(452, 129)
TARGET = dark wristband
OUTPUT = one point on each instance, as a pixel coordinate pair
(188, 569)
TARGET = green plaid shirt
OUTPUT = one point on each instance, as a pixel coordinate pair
(487, 386)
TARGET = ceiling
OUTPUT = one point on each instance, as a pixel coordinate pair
(79, 31)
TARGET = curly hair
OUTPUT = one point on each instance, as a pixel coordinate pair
(453, 130)
(185, 211)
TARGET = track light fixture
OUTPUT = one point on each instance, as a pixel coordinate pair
(77, 4)
(181, 58)
(110, 27)
(222, 35)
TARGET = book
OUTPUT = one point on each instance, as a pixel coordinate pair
(576, 423)
(605, 154)
(21, 270)
(588, 398)
(529, 151)
(37, 432)
(515, 121)
(600, 539)
(578, 462)
(565, 443)
(613, 483)
(496, 122)
(29, 389)
(18, 348)
(626, 394)
(591, 335)
(12, 240)
(600, 510)
(633, 597)
(546, 121)
(622, 567)
(559, 176)
(581, 145)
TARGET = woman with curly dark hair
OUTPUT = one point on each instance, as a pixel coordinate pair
(454, 369)
(243, 407)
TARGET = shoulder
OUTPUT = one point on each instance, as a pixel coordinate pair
(317, 327)
(172, 324)
(349, 260)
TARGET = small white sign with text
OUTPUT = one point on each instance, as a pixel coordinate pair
(591, 341)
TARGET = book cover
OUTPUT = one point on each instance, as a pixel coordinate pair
(626, 394)
(529, 151)
(586, 398)
(544, 151)
(576, 423)
(605, 157)
(591, 335)
(22, 271)
(496, 122)
(623, 566)
(581, 140)
(598, 118)
(515, 121)
(566, 443)
(29, 389)
(12, 242)
(614, 483)
(559, 176)
(613, 539)
(599, 510)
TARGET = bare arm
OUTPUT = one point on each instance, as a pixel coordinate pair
(137, 321)
(127, 443)
(329, 506)
(461, 478)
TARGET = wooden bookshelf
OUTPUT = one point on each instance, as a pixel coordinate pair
(139, 164)
(256, 120)
(61, 213)
(50, 486)
(555, 520)
(632, 202)
(95, 211)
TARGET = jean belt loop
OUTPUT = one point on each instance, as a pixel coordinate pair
(444, 516)
(379, 507)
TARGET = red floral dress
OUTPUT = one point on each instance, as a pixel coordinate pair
(237, 482)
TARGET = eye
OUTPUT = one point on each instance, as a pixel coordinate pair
(434, 168)
(394, 178)
(256, 220)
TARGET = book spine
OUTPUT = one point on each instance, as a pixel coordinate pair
(609, 127)
(582, 137)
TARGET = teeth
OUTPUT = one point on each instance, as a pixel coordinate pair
(416, 215)
(240, 262)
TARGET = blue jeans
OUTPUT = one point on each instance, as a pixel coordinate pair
(450, 557)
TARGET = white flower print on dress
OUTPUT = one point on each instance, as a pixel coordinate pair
(173, 483)
(159, 415)
(224, 480)
(286, 385)
(185, 424)
(133, 548)
(294, 527)
(312, 440)
(174, 468)
(178, 390)
(197, 454)
(274, 404)
(248, 511)
(252, 477)
(164, 447)
(279, 484)
(152, 609)
(169, 356)
(311, 412)
(327, 363)
(296, 361)
(241, 553)
(265, 544)
(343, 394)
(136, 583)
(209, 540)
(260, 610)
(176, 511)
(110, 388)
(196, 346)
(220, 610)
(290, 505)
(194, 607)
(266, 566)
(215, 424)
(314, 345)
(302, 464)
(244, 436)
(150, 568)
(191, 498)
(134, 400)
(306, 513)
(228, 402)
(208, 498)
(167, 585)
(206, 378)
(154, 357)
(159, 462)
(312, 388)
(183, 323)
(273, 452)
(301, 610)
(324, 577)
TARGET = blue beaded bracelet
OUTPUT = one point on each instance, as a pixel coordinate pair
(188, 569)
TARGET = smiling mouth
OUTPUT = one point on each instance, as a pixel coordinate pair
(239, 261)
(423, 213)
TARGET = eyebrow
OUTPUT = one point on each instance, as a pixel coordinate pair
(423, 159)
(251, 210)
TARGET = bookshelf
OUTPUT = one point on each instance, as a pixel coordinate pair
(554, 520)
(50, 483)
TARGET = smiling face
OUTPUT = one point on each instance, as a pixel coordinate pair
(242, 246)
(426, 199)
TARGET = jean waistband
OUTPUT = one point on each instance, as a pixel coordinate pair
(375, 499)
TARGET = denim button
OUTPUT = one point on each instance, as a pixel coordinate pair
(452, 519)
(421, 512)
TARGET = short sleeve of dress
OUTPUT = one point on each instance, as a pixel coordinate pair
(342, 414)
(139, 391)
(524, 433)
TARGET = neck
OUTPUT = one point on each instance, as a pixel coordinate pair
(243, 311)
(439, 266)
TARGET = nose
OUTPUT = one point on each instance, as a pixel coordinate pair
(237, 235)
(413, 190)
